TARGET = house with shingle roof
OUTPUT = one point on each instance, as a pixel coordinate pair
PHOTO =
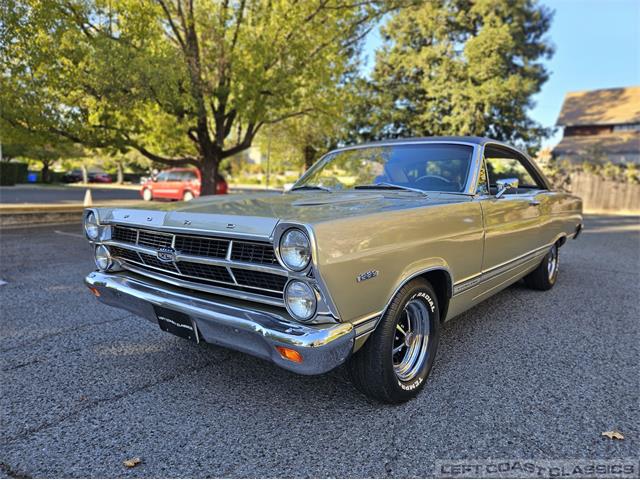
(603, 123)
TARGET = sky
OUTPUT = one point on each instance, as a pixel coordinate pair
(597, 45)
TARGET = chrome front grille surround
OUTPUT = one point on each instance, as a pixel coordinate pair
(222, 264)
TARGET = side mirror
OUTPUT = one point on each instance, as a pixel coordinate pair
(505, 184)
(154, 179)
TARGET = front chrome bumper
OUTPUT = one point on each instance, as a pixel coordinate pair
(240, 326)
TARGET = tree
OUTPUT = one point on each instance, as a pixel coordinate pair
(183, 82)
(458, 67)
(43, 148)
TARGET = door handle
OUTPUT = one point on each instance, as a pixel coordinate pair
(534, 203)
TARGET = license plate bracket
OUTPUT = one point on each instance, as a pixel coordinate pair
(177, 323)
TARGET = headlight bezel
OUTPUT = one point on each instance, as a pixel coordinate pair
(95, 224)
(312, 296)
(281, 247)
(109, 259)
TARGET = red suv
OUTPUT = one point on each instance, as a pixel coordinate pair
(178, 184)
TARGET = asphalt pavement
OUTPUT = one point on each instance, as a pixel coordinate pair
(525, 375)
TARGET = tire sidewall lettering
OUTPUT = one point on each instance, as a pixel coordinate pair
(416, 382)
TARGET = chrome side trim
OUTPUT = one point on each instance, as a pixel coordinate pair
(485, 276)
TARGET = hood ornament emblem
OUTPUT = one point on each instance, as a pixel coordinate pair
(231, 225)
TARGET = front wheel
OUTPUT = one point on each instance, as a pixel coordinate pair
(545, 275)
(187, 196)
(395, 361)
(147, 196)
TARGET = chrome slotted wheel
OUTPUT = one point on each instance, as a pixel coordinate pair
(411, 340)
(552, 263)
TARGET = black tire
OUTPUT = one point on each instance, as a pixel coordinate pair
(373, 367)
(187, 196)
(545, 275)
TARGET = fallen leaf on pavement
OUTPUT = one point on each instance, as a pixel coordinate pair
(132, 462)
(613, 435)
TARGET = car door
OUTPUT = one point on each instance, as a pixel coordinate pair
(512, 222)
(160, 185)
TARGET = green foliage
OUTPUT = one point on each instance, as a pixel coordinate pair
(457, 67)
(12, 173)
(179, 81)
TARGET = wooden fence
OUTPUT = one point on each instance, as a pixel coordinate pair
(606, 196)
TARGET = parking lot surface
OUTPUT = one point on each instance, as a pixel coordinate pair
(525, 375)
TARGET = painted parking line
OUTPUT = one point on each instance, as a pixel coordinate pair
(2, 282)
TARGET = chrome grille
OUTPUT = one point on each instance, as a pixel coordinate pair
(154, 262)
(209, 272)
(202, 247)
(127, 235)
(227, 264)
(154, 240)
(253, 253)
(125, 254)
(263, 280)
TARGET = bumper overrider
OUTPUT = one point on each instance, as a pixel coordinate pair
(241, 326)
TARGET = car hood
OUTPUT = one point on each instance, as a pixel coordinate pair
(258, 214)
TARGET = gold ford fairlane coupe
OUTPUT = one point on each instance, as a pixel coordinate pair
(360, 262)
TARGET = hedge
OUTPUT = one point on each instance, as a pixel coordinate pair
(12, 173)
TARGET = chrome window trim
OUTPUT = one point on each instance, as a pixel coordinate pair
(471, 174)
(545, 181)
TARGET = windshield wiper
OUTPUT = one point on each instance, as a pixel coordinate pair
(390, 186)
(311, 187)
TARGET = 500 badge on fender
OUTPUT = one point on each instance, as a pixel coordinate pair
(367, 275)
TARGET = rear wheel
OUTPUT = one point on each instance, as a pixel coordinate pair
(545, 275)
(147, 196)
(187, 196)
(394, 363)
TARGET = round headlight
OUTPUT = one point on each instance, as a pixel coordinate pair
(91, 226)
(102, 257)
(295, 249)
(300, 299)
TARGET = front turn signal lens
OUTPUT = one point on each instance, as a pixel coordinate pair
(95, 291)
(290, 354)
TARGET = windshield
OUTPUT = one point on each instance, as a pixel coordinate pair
(427, 167)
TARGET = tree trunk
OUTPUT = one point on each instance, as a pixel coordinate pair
(120, 173)
(209, 171)
(45, 172)
(309, 156)
(85, 174)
